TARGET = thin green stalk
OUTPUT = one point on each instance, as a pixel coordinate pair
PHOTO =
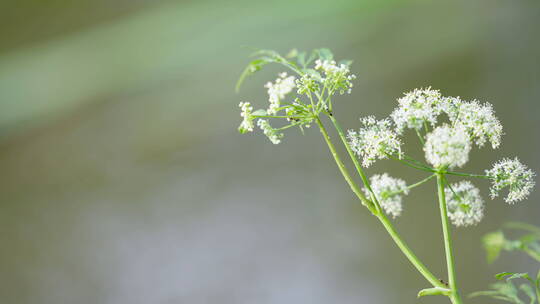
(407, 163)
(343, 169)
(533, 254)
(466, 174)
(380, 214)
(454, 295)
(420, 136)
(355, 161)
(414, 185)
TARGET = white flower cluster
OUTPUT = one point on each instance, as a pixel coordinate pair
(335, 76)
(278, 90)
(306, 83)
(447, 147)
(513, 174)
(464, 204)
(271, 133)
(417, 108)
(388, 191)
(247, 123)
(478, 119)
(374, 140)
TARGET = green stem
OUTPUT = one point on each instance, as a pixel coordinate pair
(354, 187)
(378, 212)
(466, 174)
(533, 254)
(420, 136)
(454, 295)
(413, 185)
(412, 165)
(355, 161)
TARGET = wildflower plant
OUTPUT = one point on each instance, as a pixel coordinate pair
(447, 129)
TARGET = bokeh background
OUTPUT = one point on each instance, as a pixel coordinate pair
(123, 178)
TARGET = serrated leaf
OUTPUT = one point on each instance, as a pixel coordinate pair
(523, 226)
(325, 54)
(512, 276)
(434, 291)
(301, 58)
(292, 53)
(493, 244)
(251, 68)
(260, 112)
(528, 290)
(346, 62)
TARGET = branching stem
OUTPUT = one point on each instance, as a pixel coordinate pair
(454, 295)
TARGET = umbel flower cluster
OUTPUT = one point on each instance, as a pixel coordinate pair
(447, 127)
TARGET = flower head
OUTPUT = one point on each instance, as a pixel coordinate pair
(278, 90)
(335, 75)
(513, 174)
(247, 124)
(447, 147)
(464, 204)
(388, 191)
(417, 108)
(478, 119)
(375, 140)
(271, 133)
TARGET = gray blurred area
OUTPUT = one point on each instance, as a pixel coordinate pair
(124, 180)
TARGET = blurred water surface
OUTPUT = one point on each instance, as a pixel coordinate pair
(124, 179)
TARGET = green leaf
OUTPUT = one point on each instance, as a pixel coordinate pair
(493, 244)
(260, 112)
(512, 275)
(346, 62)
(292, 53)
(434, 291)
(325, 54)
(252, 67)
(301, 58)
(523, 226)
(528, 290)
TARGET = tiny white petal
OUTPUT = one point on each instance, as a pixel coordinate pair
(447, 147)
(374, 140)
(513, 174)
(464, 204)
(388, 191)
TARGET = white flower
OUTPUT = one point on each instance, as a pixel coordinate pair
(374, 140)
(417, 108)
(388, 191)
(247, 124)
(271, 133)
(464, 204)
(447, 147)
(306, 83)
(336, 76)
(478, 119)
(513, 174)
(278, 90)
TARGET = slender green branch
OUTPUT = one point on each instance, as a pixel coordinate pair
(454, 296)
(466, 174)
(407, 163)
(533, 254)
(428, 275)
(414, 185)
(420, 137)
(277, 116)
(354, 187)
(355, 161)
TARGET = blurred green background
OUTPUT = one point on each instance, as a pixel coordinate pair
(124, 180)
